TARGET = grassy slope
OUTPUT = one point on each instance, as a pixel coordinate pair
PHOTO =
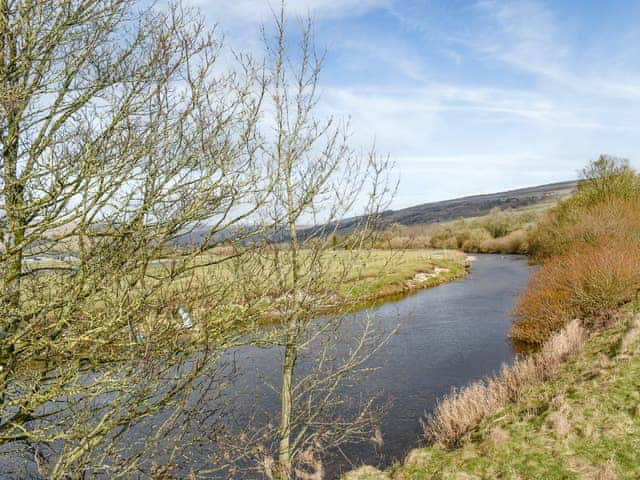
(584, 424)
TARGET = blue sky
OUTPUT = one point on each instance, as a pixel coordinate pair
(472, 96)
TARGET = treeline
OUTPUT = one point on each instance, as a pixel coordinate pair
(589, 250)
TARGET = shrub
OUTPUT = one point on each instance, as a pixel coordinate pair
(514, 242)
(604, 205)
(498, 223)
(397, 243)
(592, 224)
(589, 282)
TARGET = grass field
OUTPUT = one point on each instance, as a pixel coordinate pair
(339, 278)
(238, 294)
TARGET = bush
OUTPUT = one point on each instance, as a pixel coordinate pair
(398, 243)
(589, 246)
(514, 242)
(589, 282)
(498, 223)
(591, 224)
(604, 205)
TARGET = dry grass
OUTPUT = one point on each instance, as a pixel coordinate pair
(513, 242)
(462, 411)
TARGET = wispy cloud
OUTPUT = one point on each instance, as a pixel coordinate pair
(255, 11)
(471, 96)
(529, 36)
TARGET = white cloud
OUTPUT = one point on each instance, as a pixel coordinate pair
(524, 34)
(504, 95)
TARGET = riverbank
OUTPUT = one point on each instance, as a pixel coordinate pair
(571, 410)
(350, 281)
(584, 423)
(417, 365)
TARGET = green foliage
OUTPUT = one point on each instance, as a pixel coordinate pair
(498, 223)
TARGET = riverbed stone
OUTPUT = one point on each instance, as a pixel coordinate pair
(418, 456)
(366, 473)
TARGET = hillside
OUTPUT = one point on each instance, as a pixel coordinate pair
(477, 205)
(471, 206)
(442, 211)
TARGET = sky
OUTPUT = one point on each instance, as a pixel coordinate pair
(471, 96)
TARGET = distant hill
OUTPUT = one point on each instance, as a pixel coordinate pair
(472, 206)
(477, 205)
(434, 212)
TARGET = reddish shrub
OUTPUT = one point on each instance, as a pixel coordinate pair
(589, 282)
(591, 224)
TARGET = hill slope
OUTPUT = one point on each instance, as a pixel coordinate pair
(442, 211)
(477, 205)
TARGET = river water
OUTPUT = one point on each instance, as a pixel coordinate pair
(447, 337)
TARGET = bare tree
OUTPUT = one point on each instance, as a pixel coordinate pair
(135, 176)
(318, 179)
(125, 156)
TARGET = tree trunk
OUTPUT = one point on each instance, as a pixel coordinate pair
(14, 228)
(286, 407)
(285, 450)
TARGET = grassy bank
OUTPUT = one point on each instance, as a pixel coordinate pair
(347, 281)
(231, 298)
(582, 424)
(571, 410)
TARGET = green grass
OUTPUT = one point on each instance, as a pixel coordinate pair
(386, 273)
(584, 424)
(238, 295)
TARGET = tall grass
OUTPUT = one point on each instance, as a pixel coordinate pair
(462, 411)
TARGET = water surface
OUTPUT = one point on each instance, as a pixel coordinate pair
(448, 336)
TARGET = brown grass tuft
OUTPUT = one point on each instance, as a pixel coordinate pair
(498, 436)
(462, 411)
(606, 471)
(514, 242)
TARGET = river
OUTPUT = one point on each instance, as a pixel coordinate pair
(447, 337)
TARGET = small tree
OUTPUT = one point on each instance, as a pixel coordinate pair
(606, 178)
(318, 179)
